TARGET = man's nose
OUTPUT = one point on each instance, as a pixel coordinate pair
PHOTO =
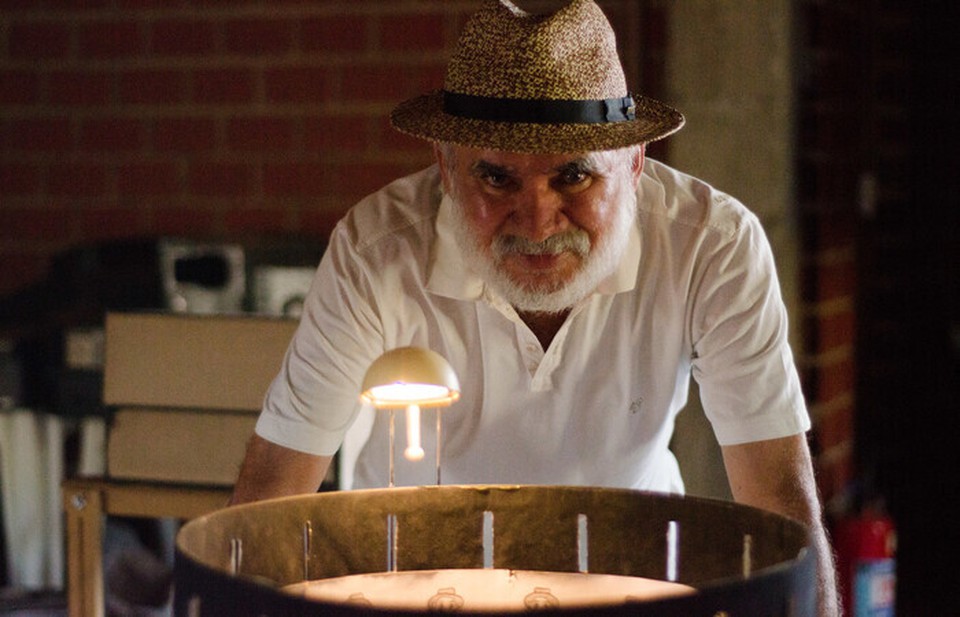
(539, 213)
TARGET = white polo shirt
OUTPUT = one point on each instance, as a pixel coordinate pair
(696, 293)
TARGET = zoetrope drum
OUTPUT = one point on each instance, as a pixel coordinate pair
(494, 550)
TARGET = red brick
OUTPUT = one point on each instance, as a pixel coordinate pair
(255, 220)
(834, 475)
(341, 33)
(295, 179)
(71, 88)
(389, 138)
(836, 279)
(356, 180)
(48, 224)
(382, 83)
(223, 86)
(137, 5)
(829, 129)
(112, 222)
(76, 179)
(19, 87)
(112, 134)
(185, 134)
(19, 5)
(835, 184)
(460, 20)
(836, 427)
(261, 133)
(220, 179)
(153, 86)
(655, 27)
(303, 84)
(258, 36)
(38, 134)
(338, 133)
(825, 25)
(110, 39)
(428, 77)
(318, 222)
(75, 4)
(412, 32)
(836, 330)
(18, 179)
(144, 179)
(189, 221)
(836, 230)
(836, 379)
(39, 39)
(19, 269)
(659, 150)
(183, 37)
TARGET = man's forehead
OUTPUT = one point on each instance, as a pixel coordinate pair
(522, 161)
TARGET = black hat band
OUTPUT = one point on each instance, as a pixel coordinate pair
(539, 111)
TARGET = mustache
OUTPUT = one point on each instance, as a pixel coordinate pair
(575, 241)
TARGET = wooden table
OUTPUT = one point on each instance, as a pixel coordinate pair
(86, 501)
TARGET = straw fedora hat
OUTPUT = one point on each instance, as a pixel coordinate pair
(536, 83)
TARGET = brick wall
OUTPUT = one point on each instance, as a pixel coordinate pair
(124, 118)
(879, 185)
(133, 118)
(855, 152)
(829, 171)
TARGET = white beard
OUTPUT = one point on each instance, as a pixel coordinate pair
(598, 261)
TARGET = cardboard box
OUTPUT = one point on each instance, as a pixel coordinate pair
(192, 361)
(191, 447)
(187, 390)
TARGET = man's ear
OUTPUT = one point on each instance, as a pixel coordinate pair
(442, 164)
(639, 158)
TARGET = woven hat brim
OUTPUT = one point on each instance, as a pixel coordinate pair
(425, 118)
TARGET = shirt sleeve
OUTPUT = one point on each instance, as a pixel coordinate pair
(742, 358)
(315, 397)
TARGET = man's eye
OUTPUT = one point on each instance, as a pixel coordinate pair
(573, 176)
(574, 179)
(495, 180)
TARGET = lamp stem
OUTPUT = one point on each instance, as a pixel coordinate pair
(393, 417)
(439, 444)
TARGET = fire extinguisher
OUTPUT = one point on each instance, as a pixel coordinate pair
(866, 544)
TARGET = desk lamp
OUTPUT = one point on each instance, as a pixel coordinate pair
(410, 378)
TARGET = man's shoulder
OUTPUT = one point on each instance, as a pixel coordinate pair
(405, 205)
(677, 198)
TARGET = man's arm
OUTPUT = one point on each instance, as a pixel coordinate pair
(270, 470)
(777, 475)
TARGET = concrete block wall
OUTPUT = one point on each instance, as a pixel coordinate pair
(730, 70)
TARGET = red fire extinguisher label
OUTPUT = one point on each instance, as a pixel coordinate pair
(874, 588)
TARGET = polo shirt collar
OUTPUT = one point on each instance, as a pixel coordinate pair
(449, 276)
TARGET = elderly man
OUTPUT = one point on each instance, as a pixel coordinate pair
(573, 285)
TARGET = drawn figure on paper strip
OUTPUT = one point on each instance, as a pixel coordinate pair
(540, 598)
(358, 599)
(446, 599)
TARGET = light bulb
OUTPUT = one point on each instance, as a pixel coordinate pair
(414, 451)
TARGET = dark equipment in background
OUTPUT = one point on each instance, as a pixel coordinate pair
(85, 282)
